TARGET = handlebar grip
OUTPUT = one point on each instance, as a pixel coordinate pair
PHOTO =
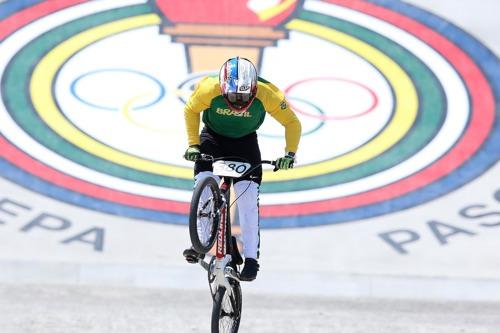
(271, 163)
(205, 157)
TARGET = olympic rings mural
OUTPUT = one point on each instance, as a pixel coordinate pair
(407, 111)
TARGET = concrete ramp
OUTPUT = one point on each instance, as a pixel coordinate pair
(396, 193)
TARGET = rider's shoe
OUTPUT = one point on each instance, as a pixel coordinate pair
(192, 256)
(249, 272)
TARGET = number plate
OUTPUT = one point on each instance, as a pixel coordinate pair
(230, 168)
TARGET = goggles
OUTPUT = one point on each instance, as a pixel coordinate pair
(239, 100)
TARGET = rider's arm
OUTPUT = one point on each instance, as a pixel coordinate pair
(278, 107)
(197, 103)
(192, 119)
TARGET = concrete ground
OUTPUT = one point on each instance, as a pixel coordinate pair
(56, 308)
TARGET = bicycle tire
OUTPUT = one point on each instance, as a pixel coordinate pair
(203, 246)
(222, 320)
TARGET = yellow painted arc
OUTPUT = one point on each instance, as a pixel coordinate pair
(269, 13)
(406, 107)
(43, 100)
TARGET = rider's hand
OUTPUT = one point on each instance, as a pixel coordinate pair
(285, 162)
(192, 153)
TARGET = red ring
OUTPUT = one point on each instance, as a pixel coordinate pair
(324, 117)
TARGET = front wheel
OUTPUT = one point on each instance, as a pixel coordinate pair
(226, 312)
(204, 215)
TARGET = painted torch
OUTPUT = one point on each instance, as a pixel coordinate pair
(215, 30)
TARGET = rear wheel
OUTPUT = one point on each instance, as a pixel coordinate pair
(204, 215)
(226, 312)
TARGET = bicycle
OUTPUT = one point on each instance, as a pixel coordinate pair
(209, 223)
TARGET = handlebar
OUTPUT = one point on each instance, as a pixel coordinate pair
(210, 158)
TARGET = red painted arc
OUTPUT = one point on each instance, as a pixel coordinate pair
(481, 122)
(23, 17)
(372, 107)
(25, 162)
(42, 171)
(479, 127)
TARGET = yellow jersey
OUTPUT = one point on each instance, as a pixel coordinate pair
(217, 115)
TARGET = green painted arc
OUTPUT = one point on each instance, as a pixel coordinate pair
(18, 103)
(431, 113)
(16, 95)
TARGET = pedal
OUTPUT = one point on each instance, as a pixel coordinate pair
(192, 256)
(191, 259)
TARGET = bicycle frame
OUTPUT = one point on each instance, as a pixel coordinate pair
(220, 268)
(223, 277)
(218, 265)
(221, 245)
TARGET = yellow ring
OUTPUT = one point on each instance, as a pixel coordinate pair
(43, 100)
(127, 108)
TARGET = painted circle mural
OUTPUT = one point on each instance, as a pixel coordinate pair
(398, 107)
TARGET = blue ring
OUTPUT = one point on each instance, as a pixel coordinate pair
(192, 77)
(158, 83)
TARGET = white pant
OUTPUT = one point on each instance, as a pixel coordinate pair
(248, 212)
